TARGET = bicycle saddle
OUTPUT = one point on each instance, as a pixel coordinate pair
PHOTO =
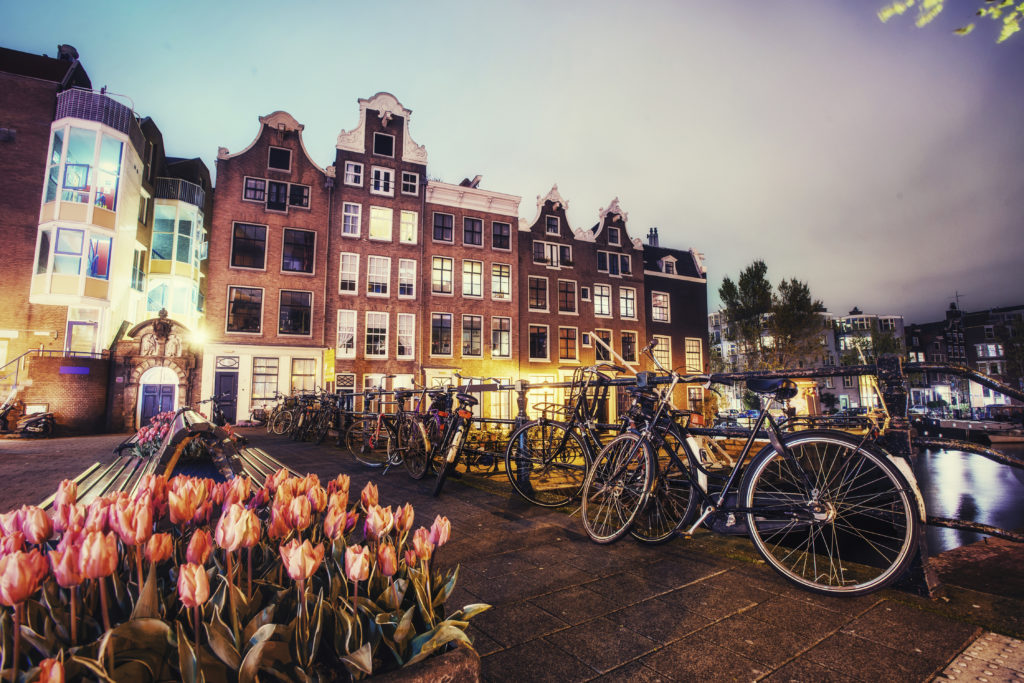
(784, 389)
(467, 400)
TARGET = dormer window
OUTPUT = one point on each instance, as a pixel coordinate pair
(279, 159)
(613, 237)
(384, 144)
(668, 265)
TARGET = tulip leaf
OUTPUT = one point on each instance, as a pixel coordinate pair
(220, 640)
(315, 628)
(93, 666)
(262, 618)
(446, 591)
(39, 642)
(261, 634)
(270, 653)
(404, 630)
(148, 605)
(426, 644)
(361, 659)
(343, 625)
(120, 592)
(131, 671)
(188, 664)
(470, 611)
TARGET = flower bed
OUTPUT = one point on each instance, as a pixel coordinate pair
(192, 580)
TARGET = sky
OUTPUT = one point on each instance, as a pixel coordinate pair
(879, 163)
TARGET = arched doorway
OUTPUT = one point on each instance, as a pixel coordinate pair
(158, 391)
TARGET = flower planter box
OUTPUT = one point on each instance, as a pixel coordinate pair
(456, 666)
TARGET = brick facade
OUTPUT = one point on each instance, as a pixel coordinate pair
(73, 389)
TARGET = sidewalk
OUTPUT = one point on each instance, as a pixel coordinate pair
(566, 609)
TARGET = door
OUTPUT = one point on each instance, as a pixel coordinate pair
(226, 391)
(156, 398)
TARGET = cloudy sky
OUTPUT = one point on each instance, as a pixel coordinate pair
(880, 163)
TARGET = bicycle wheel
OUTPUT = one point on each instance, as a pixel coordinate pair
(365, 444)
(857, 530)
(323, 423)
(672, 501)
(270, 420)
(444, 468)
(283, 422)
(617, 487)
(414, 450)
(546, 463)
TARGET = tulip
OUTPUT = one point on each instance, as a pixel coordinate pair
(227, 528)
(276, 479)
(202, 515)
(357, 563)
(67, 493)
(66, 565)
(334, 522)
(301, 561)
(35, 524)
(317, 497)
(237, 490)
(410, 558)
(403, 518)
(11, 543)
(99, 554)
(258, 500)
(422, 543)
(20, 576)
(309, 481)
(379, 522)
(193, 591)
(368, 496)
(300, 513)
(69, 516)
(10, 522)
(159, 548)
(351, 519)
(199, 547)
(96, 516)
(339, 484)
(338, 499)
(73, 536)
(387, 561)
(278, 527)
(50, 671)
(439, 531)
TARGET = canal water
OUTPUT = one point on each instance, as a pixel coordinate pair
(965, 486)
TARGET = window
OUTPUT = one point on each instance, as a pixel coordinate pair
(378, 275)
(245, 309)
(248, 246)
(380, 223)
(538, 342)
(538, 293)
(406, 278)
(296, 313)
(566, 296)
(143, 209)
(670, 267)
(601, 350)
(406, 335)
(183, 254)
(382, 181)
(567, 343)
(298, 195)
(473, 231)
(629, 346)
(695, 399)
(585, 340)
(441, 334)
(565, 255)
(353, 173)
(613, 264)
(78, 169)
(303, 374)
(694, 359)
(613, 237)
(297, 254)
(627, 303)
(255, 190)
(501, 337)
(551, 254)
(351, 215)
(501, 282)
(264, 379)
(408, 227)
(376, 334)
(346, 334)
(551, 225)
(603, 300)
(279, 159)
(138, 270)
(663, 351)
(847, 382)
(98, 265)
(277, 196)
(349, 273)
(441, 275)
(626, 264)
(472, 279)
(410, 183)
(472, 336)
(384, 144)
(443, 226)
(659, 307)
(585, 293)
(67, 255)
(162, 244)
(53, 172)
(501, 236)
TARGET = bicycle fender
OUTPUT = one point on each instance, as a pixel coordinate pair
(904, 467)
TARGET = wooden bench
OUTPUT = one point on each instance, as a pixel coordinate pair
(257, 464)
(123, 473)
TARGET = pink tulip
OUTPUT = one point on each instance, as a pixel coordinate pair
(66, 566)
(67, 493)
(50, 671)
(357, 563)
(439, 531)
(334, 523)
(199, 547)
(379, 522)
(193, 585)
(276, 479)
(99, 555)
(317, 497)
(159, 548)
(301, 561)
(35, 524)
(226, 532)
(387, 562)
(403, 518)
(300, 513)
(12, 543)
(20, 576)
(10, 522)
(339, 484)
(338, 499)
(410, 558)
(422, 543)
(368, 496)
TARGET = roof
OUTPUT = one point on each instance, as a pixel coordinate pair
(44, 68)
(685, 264)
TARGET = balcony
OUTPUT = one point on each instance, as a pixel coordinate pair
(181, 190)
(91, 106)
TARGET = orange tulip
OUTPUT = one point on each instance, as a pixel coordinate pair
(300, 513)
(248, 529)
(279, 526)
(334, 522)
(339, 484)
(193, 585)
(237, 490)
(309, 481)
(404, 517)
(422, 543)
(159, 548)
(35, 524)
(67, 493)
(317, 497)
(10, 522)
(338, 499)
(12, 543)
(66, 566)
(410, 558)
(276, 479)
(357, 563)
(20, 576)
(99, 554)
(379, 522)
(69, 516)
(50, 671)
(202, 515)
(199, 547)
(368, 496)
(439, 531)
(301, 561)
(387, 562)
(227, 528)
(97, 517)
(133, 522)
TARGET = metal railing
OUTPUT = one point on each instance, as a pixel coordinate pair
(79, 103)
(183, 190)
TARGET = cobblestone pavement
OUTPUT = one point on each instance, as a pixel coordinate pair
(565, 609)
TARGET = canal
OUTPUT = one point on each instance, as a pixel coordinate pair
(970, 487)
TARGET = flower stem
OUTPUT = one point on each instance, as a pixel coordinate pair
(74, 616)
(138, 566)
(195, 628)
(231, 594)
(17, 642)
(103, 603)
(248, 591)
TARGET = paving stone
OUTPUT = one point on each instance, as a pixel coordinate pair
(991, 657)
(575, 604)
(602, 644)
(868, 660)
(694, 659)
(632, 672)
(499, 565)
(625, 588)
(800, 671)
(516, 623)
(717, 596)
(659, 620)
(915, 631)
(482, 643)
(797, 615)
(757, 640)
(675, 573)
(535, 661)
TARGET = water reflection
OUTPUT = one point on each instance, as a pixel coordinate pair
(966, 486)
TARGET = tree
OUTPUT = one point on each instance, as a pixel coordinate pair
(829, 400)
(773, 328)
(1003, 12)
(1012, 338)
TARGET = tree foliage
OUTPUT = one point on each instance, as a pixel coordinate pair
(1005, 13)
(1012, 338)
(773, 328)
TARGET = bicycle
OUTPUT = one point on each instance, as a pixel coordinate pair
(831, 513)
(547, 460)
(372, 439)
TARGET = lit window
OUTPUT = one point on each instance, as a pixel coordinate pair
(501, 337)
(406, 278)
(303, 374)
(472, 335)
(255, 190)
(346, 334)
(406, 335)
(567, 343)
(659, 307)
(501, 282)
(296, 313)
(380, 223)
(352, 213)
(441, 275)
(629, 346)
(694, 356)
(67, 259)
(349, 273)
(601, 351)
(378, 275)
(264, 379)
(627, 303)
(663, 351)
(353, 173)
(441, 334)
(98, 264)
(408, 227)
(376, 334)
(603, 300)
(472, 278)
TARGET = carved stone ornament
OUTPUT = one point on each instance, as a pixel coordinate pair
(162, 326)
(387, 106)
(281, 120)
(223, 152)
(149, 345)
(554, 197)
(613, 210)
(173, 346)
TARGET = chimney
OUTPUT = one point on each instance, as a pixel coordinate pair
(67, 53)
(652, 237)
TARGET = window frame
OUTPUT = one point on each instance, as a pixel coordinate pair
(480, 340)
(547, 342)
(402, 261)
(434, 260)
(266, 236)
(602, 287)
(390, 182)
(366, 334)
(355, 332)
(529, 294)
(280, 298)
(341, 271)
(575, 298)
(227, 311)
(575, 341)
(391, 224)
(618, 236)
(507, 236)
(353, 169)
(262, 189)
(345, 215)
(466, 220)
(600, 354)
(386, 283)
(450, 228)
(270, 151)
(441, 315)
(623, 291)
(398, 336)
(480, 280)
(550, 220)
(373, 148)
(623, 334)
(507, 319)
(402, 224)
(508, 277)
(687, 351)
(663, 350)
(312, 264)
(667, 307)
(413, 179)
